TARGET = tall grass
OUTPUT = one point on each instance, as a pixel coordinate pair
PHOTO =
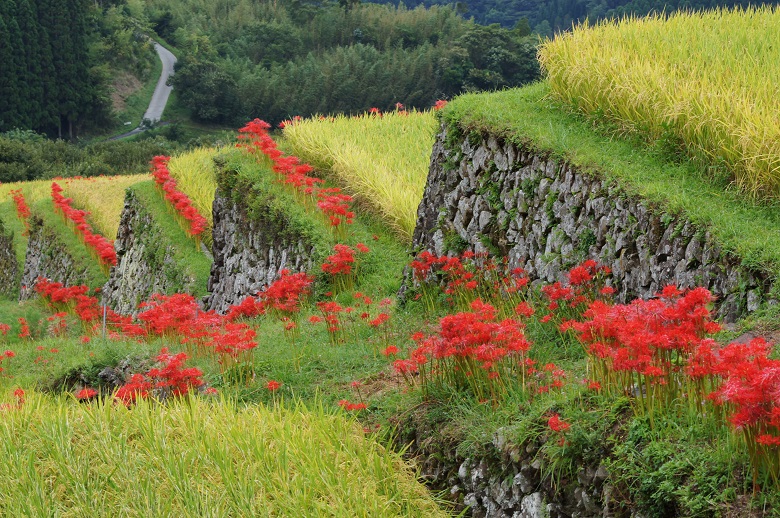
(381, 160)
(194, 174)
(197, 458)
(707, 81)
(103, 197)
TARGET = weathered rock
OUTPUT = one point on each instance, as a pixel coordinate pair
(9, 267)
(550, 217)
(146, 260)
(47, 256)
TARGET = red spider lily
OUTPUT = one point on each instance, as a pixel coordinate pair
(474, 342)
(248, 308)
(24, 329)
(19, 395)
(254, 137)
(86, 393)
(556, 424)
(330, 311)
(103, 247)
(351, 407)
(181, 203)
(285, 295)
(468, 277)
(4, 328)
(22, 209)
(272, 385)
(136, 388)
(390, 350)
(440, 104)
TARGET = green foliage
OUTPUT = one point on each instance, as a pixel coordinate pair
(253, 187)
(188, 268)
(291, 58)
(552, 16)
(28, 156)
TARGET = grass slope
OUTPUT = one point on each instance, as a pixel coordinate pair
(529, 117)
(186, 253)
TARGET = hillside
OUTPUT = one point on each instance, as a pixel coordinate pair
(576, 329)
(548, 17)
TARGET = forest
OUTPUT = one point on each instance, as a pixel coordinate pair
(547, 17)
(240, 59)
(56, 62)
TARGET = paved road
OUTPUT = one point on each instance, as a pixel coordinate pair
(161, 92)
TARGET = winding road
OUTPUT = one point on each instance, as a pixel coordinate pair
(161, 93)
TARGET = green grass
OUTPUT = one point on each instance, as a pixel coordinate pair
(528, 117)
(197, 458)
(185, 252)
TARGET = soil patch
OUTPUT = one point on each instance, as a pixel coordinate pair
(123, 86)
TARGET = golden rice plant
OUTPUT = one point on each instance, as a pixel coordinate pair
(103, 197)
(383, 161)
(33, 191)
(197, 458)
(194, 174)
(707, 80)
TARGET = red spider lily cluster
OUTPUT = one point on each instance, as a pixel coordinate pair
(440, 104)
(646, 346)
(170, 379)
(342, 265)
(351, 407)
(659, 352)
(22, 209)
(473, 350)
(87, 308)
(466, 278)
(333, 204)
(4, 328)
(202, 332)
(178, 315)
(103, 247)
(86, 394)
(285, 296)
(586, 283)
(24, 329)
(196, 223)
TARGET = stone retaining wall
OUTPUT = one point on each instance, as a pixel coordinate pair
(546, 216)
(9, 268)
(146, 261)
(249, 252)
(48, 256)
